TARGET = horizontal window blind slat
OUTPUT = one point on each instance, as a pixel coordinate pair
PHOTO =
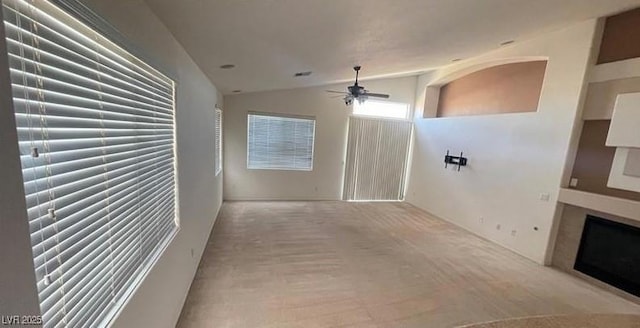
(84, 133)
(63, 180)
(81, 68)
(73, 60)
(73, 250)
(124, 210)
(70, 144)
(76, 262)
(64, 170)
(48, 42)
(52, 71)
(124, 218)
(66, 192)
(93, 213)
(84, 123)
(100, 256)
(87, 89)
(19, 77)
(72, 39)
(99, 285)
(54, 310)
(99, 105)
(80, 153)
(26, 107)
(43, 224)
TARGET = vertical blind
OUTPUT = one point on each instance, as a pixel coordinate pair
(280, 142)
(218, 141)
(96, 138)
(377, 154)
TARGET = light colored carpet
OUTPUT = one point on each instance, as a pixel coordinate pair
(569, 321)
(339, 264)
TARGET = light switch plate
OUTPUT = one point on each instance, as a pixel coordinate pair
(573, 183)
(544, 197)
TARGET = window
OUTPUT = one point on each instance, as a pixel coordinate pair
(378, 108)
(280, 142)
(218, 141)
(97, 145)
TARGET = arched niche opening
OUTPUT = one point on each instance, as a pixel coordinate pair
(496, 87)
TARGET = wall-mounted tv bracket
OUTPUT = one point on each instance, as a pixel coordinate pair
(454, 160)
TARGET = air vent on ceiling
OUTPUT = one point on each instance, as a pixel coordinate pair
(299, 74)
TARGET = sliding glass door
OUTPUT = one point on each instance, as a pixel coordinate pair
(377, 155)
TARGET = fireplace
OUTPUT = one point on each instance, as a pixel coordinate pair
(610, 252)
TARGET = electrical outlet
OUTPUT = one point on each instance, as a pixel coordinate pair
(498, 227)
(513, 233)
(481, 220)
(545, 196)
(573, 183)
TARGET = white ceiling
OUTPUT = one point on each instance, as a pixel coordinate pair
(270, 40)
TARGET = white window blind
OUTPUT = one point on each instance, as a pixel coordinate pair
(96, 137)
(218, 141)
(377, 156)
(280, 142)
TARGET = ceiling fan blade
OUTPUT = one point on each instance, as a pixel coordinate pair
(333, 91)
(377, 95)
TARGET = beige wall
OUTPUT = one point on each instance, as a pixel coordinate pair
(513, 158)
(325, 181)
(158, 301)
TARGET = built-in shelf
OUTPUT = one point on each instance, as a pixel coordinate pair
(614, 71)
(612, 205)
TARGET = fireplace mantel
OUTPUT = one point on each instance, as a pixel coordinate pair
(612, 205)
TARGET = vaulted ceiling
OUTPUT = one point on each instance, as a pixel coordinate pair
(270, 40)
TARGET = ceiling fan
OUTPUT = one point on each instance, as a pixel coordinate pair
(357, 92)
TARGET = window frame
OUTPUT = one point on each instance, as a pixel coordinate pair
(218, 140)
(356, 104)
(289, 116)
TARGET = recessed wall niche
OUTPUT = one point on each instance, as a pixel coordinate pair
(619, 40)
(501, 89)
(594, 161)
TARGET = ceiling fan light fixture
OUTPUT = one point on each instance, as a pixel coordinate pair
(358, 92)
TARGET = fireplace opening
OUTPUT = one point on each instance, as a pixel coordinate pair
(610, 252)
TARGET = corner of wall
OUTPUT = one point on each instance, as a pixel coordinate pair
(576, 131)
